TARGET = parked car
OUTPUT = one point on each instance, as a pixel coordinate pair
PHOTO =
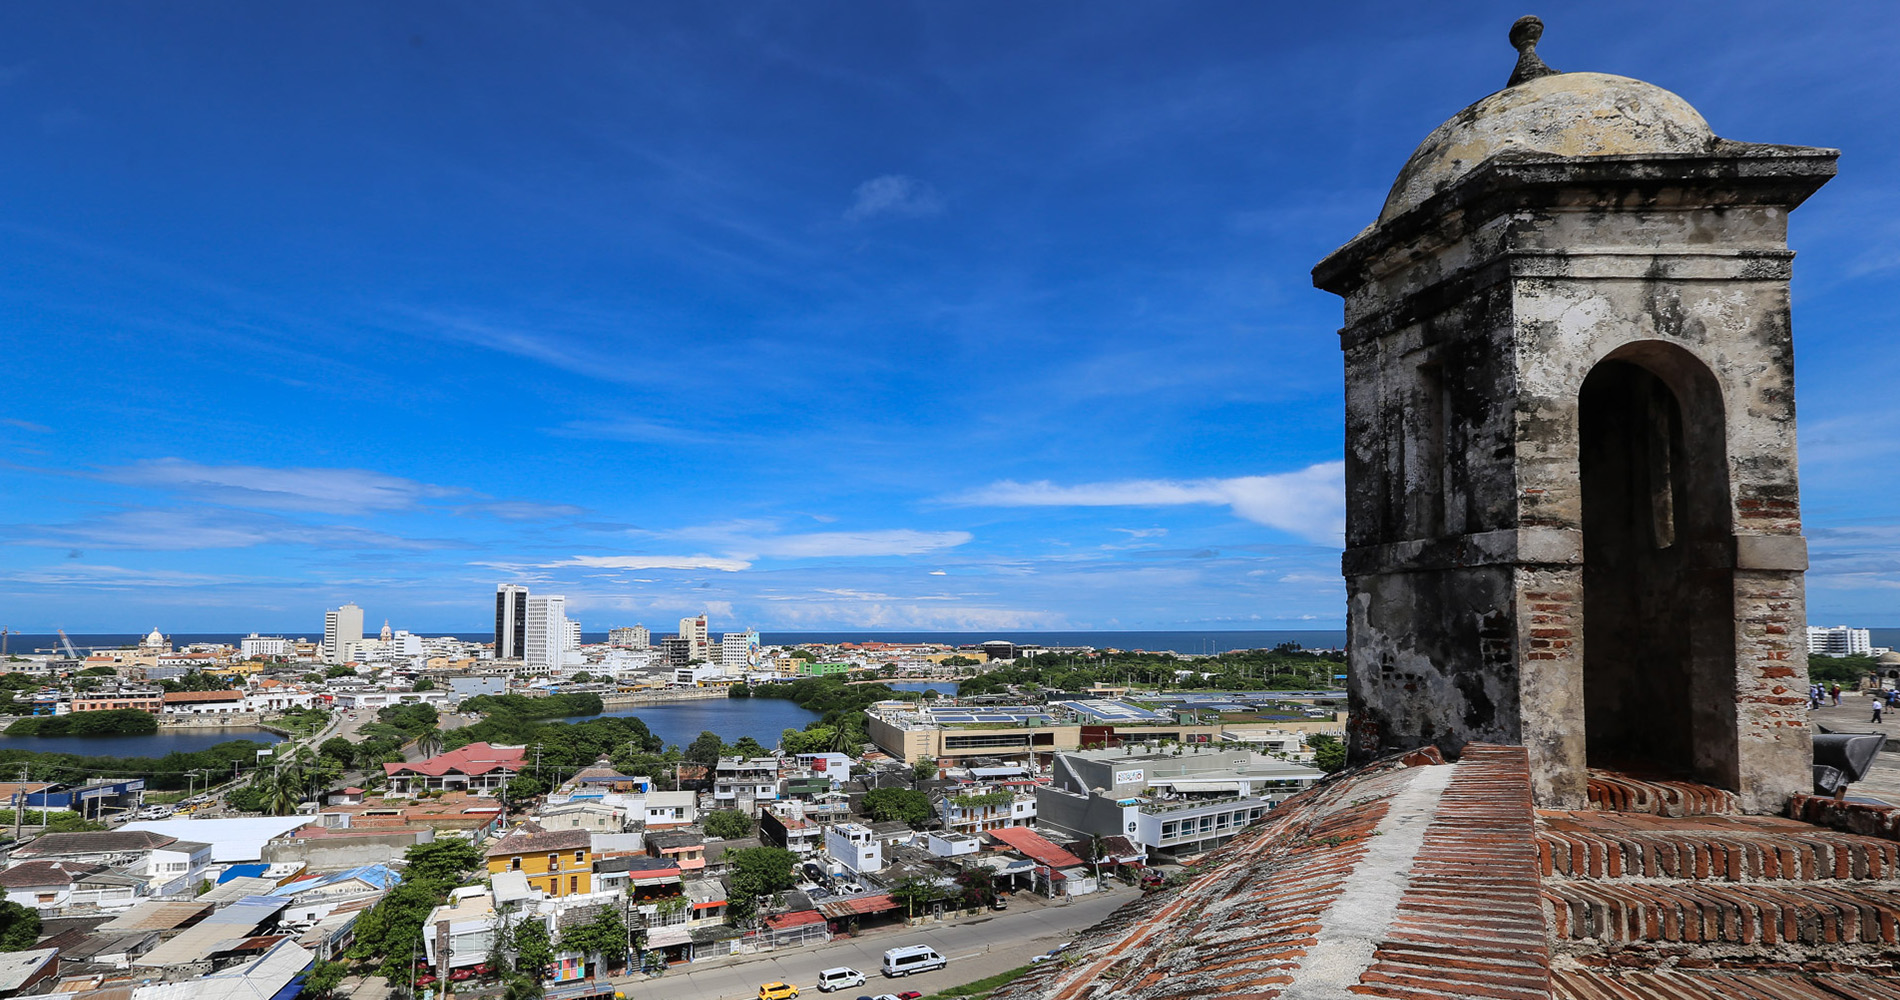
(778, 991)
(839, 978)
(999, 903)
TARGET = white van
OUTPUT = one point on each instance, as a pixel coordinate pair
(839, 978)
(916, 958)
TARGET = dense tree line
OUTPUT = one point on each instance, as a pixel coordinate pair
(841, 723)
(1283, 668)
(171, 771)
(114, 722)
(554, 706)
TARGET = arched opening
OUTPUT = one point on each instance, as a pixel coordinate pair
(1659, 664)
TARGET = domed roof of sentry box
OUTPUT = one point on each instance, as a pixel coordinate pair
(1545, 111)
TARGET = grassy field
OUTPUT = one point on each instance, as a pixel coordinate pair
(982, 988)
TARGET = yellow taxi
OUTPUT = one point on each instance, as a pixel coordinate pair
(778, 991)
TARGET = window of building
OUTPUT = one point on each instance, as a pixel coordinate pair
(573, 883)
(554, 862)
(580, 857)
(514, 864)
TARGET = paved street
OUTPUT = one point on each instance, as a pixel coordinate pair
(976, 946)
(1856, 716)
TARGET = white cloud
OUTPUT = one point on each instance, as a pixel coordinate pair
(304, 489)
(756, 539)
(1143, 532)
(1310, 503)
(651, 562)
(938, 572)
(893, 195)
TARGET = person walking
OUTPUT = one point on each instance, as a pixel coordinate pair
(1835, 691)
(1879, 703)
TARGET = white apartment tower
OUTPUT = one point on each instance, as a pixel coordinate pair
(511, 620)
(341, 628)
(634, 637)
(545, 637)
(739, 650)
(1840, 641)
(573, 634)
(693, 630)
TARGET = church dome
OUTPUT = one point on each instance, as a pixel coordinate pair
(1561, 114)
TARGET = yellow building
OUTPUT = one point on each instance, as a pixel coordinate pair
(559, 864)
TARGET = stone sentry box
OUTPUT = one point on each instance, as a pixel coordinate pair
(1572, 516)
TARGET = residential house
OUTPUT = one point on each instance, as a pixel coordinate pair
(1172, 802)
(584, 815)
(560, 863)
(684, 848)
(669, 810)
(316, 897)
(739, 782)
(976, 808)
(478, 768)
(854, 846)
(59, 885)
(169, 865)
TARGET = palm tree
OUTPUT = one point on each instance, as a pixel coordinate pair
(281, 794)
(430, 742)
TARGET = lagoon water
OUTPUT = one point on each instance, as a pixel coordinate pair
(156, 745)
(679, 722)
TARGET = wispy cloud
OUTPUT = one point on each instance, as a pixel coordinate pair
(759, 539)
(162, 530)
(523, 510)
(335, 491)
(26, 425)
(893, 195)
(1309, 503)
(651, 562)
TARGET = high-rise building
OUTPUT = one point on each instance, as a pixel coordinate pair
(340, 628)
(676, 651)
(511, 620)
(546, 631)
(739, 650)
(635, 637)
(693, 630)
(1840, 641)
(573, 634)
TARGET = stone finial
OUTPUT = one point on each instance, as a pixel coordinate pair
(1524, 35)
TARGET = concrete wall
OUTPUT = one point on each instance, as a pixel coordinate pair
(338, 853)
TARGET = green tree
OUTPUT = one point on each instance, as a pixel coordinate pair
(605, 936)
(1329, 754)
(705, 749)
(429, 742)
(441, 862)
(916, 892)
(340, 671)
(323, 980)
(523, 789)
(922, 769)
(747, 747)
(1846, 671)
(533, 951)
(19, 927)
(756, 872)
(425, 684)
(339, 749)
(899, 804)
(391, 931)
(728, 824)
(581, 677)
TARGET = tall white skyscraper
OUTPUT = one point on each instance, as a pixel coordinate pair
(340, 628)
(545, 637)
(693, 630)
(511, 620)
(573, 634)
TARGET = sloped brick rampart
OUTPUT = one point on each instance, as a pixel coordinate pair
(1470, 924)
(1592, 985)
(1614, 792)
(1852, 817)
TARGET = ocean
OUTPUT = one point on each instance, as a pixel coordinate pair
(1185, 641)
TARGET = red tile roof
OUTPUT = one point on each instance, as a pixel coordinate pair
(880, 903)
(1036, 847)
(476, 758)
(797, 918)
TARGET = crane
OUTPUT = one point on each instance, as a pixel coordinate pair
(68, 643)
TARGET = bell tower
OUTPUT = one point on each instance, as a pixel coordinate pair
(1573, 519)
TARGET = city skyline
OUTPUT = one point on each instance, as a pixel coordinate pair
(808, 318)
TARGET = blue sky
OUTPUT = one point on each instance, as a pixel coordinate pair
(872, 315)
